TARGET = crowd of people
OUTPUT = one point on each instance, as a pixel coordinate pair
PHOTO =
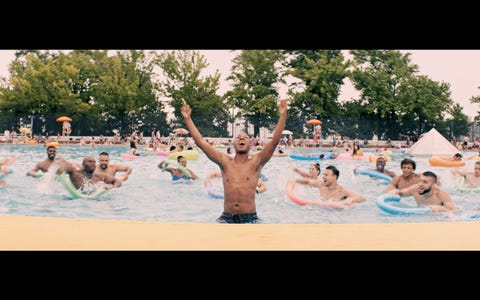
(241, 172)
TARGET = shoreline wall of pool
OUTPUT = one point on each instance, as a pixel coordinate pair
(42, 234)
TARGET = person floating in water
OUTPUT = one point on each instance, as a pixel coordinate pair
(45, 164)
(426, 192)
(177, 173)
(471, 179)
(408, 176)
(329, 188)
(105, 167)
(133, 149)
(380, 167)
(313, 171)
(86, 175)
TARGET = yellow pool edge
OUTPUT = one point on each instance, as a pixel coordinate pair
(42, 233)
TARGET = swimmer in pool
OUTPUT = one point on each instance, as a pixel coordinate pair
(87, 175)
(176, 173)
(330, 190)
(426, 192)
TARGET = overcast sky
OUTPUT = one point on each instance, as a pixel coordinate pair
(459, 68)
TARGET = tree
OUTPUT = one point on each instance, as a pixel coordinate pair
(102, 90)
(476, 99)
(183, 79)
(320, 74)
(40, 85)
(424, 103)
(125, 96)
(458, 123)
(254, 75)
(378, 75)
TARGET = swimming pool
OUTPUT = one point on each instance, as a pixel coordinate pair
(149, 195)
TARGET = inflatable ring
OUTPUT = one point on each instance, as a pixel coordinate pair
(54, 144)
(461, 187)
(74, 192)
(386, 152)
(374, 174)
(289, 189)
(302, 157)
(188, 154)
(373, 158)
(211, 191)
(38, 175)
(162, 152)
(129, 156)
(328, 155)
(148, 150)
(349, 156)
(384, 203)
(438, 161)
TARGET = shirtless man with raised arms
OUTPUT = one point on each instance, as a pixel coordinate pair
(240, 174)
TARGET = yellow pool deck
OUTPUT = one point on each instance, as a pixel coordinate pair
(40, 233)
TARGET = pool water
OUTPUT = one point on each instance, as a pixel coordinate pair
(149, 194)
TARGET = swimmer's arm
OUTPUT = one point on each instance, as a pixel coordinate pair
(261, 186)
(392, 185)
(66, 166)
(121, 168)
(301, 173)
(447, 203)
(208, 149)
(210, 176)
(306, 181)
(192, 174)
(111, 182)
(165, 164)
(390, 173)
(408, 191)
(34, 170)
(213, 175)
(268, 149)
(458, 173)
(116, 183)
(353, 197)
(7, 161)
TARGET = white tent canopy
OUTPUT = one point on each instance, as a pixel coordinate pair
(432, 143)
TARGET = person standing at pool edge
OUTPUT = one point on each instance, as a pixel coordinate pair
(240, 174)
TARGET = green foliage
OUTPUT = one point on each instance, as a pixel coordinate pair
(401, 101)
(321, 74)
(132, 90)
(254, 75)
(183, 79)
(459, 122)
(476, 99)
(103, 91)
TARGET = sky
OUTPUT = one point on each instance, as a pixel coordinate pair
(459, 68)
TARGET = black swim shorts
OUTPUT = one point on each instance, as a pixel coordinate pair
(240, 218)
